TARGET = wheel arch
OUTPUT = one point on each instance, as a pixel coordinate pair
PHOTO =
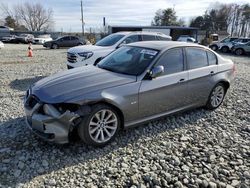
(112, 105)
(226, 83)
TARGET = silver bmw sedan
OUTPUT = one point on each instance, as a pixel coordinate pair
(134, 84)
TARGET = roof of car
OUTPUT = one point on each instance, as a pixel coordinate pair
(140, 32)
(162, 45)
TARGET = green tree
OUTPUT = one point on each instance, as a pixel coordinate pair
(165, 17)
(197, 22)
(10, 22)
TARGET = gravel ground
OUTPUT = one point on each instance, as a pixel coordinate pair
(198, 148)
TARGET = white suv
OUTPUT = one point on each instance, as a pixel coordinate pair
(92, 54)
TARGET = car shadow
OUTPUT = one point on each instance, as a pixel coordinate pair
(24, 84)
(24, 156)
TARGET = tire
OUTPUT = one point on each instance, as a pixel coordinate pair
(54, 46)
(69, 67)
(79, 44)
(214, 47)
(216, 96)
(224, 49)
(96, 132)
(239, 51)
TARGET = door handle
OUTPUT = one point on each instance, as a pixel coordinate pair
(212, 73)
(181, 80)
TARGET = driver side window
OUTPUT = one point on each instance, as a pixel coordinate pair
(130, 39)
(172, 61)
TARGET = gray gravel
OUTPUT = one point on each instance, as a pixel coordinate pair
(197, 148)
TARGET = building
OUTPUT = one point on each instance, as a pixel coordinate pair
(173, 31)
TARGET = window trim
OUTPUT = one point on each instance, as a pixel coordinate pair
(196, 47)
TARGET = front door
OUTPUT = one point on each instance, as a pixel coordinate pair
(167, 92)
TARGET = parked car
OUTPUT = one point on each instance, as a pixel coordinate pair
(41, 39)
(65, 41)
(1, 45)
(241, 41)
(240, 49)
(224, 45)
(9, 39)
(136, 83)
(5, 31)
(186, 38)
(91, 54)
(24, 38)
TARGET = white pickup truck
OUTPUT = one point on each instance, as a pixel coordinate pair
(91, 54)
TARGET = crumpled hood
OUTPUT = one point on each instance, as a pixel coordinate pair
(87, 48)
(74, 83)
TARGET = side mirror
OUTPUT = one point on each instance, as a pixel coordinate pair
(156, 71)
(97, 61)
(121, 44)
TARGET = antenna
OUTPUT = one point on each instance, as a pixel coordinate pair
(82, 20)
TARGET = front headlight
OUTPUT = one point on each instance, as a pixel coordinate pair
(85, 55)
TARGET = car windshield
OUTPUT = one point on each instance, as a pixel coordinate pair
(128, 60)
(109, 40)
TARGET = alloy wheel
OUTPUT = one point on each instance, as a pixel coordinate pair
(217, 96)
(103, 126)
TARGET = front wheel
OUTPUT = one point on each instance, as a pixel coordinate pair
(214, 47)
(100, 126)
(216, 97)
(224, 49)
(54, 46)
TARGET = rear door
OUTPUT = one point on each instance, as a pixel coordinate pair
(65, 41)
(73, 41)
(200, 74)
(168, 91)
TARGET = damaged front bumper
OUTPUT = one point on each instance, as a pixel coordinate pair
(47, 122)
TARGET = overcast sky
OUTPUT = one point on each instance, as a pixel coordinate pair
(117, 12)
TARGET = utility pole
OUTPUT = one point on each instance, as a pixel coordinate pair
(82, 21)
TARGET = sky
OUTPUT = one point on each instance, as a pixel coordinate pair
(67, 13)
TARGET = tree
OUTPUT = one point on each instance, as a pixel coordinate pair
(34, 16)
(197, 22)
(10, 22)
(231, 17)
(30, 15)
(165, 17)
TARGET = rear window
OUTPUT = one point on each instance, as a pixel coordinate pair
(196, 58)
(212, 59)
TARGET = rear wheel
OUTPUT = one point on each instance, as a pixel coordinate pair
(216, 97)
(100, 126)
(239, 51)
